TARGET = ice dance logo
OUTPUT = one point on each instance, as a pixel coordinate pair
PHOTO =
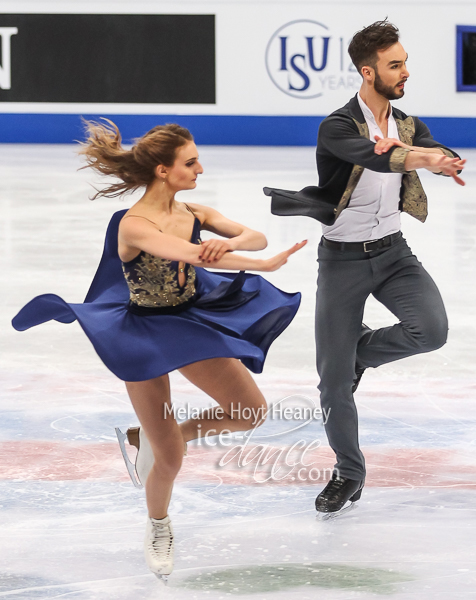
(263, 460)
(267, 462)
(304, 60)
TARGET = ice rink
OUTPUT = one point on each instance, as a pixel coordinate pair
(72, 524)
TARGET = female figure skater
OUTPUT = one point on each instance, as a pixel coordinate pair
(152, 308)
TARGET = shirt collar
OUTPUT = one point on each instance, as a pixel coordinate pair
(368, 114)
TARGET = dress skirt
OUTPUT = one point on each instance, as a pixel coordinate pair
(232, 315)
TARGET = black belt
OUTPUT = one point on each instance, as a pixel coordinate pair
(145, 311)
(369, 246)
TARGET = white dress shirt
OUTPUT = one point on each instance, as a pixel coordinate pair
(372, 212)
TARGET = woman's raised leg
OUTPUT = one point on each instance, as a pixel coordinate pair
(241, 404)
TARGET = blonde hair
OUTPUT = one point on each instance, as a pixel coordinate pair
(135, 168)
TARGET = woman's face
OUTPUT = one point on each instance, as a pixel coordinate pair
(182, 175)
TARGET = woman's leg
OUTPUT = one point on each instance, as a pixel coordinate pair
(150, 399)
(241, 404)
(241, 407)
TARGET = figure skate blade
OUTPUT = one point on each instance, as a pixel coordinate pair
(129, 466)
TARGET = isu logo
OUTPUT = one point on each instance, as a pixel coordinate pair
(6, 69)
(304, 60)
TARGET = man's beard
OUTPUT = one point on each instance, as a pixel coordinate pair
(387, 91)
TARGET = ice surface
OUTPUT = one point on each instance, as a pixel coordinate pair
(73, 524)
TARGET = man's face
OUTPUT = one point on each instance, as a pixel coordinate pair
(391, 72)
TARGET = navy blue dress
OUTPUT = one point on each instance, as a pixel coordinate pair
(227, 315)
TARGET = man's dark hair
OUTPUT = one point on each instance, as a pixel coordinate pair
(366, 43)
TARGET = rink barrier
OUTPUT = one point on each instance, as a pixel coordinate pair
(220, 130)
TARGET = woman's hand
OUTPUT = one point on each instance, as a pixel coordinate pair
(276, 262)
(213, 250)
(384, 144)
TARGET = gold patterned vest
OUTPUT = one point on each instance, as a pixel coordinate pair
(412, 196)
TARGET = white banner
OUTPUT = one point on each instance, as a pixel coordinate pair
(290, 58)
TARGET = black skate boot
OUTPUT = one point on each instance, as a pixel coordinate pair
(330, 502)
(359, 370)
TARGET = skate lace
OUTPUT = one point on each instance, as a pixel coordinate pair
(334, 485)
(161, 540)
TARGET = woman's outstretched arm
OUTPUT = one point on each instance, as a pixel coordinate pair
(145, 236)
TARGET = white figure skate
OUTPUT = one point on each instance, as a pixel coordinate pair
(159, 547)
(144, 458)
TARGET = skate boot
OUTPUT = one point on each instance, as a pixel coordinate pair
(331, 502)
(144, 458)
(359, 370)
(159, 547)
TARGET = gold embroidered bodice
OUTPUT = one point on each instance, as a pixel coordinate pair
(154, 282)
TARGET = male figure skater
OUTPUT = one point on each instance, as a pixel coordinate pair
(367, 156)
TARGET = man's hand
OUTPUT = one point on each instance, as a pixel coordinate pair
(424, 158)
(384, 144)
(213, 250)
(447, 166)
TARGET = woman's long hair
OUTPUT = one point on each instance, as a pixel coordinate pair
(135, 168)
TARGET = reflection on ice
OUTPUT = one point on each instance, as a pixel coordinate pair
(251, 579)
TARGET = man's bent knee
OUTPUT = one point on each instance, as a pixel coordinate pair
(436, 339)
(432, 334)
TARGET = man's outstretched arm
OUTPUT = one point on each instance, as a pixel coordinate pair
(436, 163)
(438, 159)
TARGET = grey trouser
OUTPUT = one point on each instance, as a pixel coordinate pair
(346, 279)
